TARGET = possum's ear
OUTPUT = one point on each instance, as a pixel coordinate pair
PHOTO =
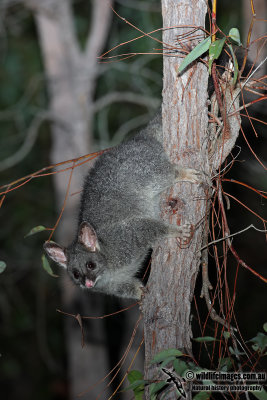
(87, 237)
(56, 253)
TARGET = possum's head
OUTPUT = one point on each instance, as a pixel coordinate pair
(83, 259)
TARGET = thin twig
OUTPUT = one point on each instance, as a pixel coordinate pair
(206, 286)
(29, 141)
(233, 234)
(244, 83)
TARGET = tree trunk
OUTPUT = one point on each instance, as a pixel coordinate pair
(71, 76)
(173, 272)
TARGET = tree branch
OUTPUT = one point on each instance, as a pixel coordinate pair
(28, 143)
(129, 97)
(100, 21)
(233, 234)
(61, 10)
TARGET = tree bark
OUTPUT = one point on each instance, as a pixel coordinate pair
(171, 284)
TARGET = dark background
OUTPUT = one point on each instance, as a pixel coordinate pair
(33, 353)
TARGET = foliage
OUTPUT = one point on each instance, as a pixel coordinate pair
(35, 230)
(47, 267)
(2, 266)
(215, 49)
(259, 342)
(137, 384)
(184, 369)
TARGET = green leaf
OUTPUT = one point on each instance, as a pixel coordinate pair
(202, 396)
(137, 385)
(46, 267)
(225, 364)
(2, 266)
(226, 335)
(235, 35)
(139, 395)
(192, 366)
(35, 230)
(235, 64)
(154, 388)
(261, 395)
(205, 339)
(260, 342)
(167, 361)
(180, 366)
(215, 50)
(235, 352)
(162, 355)
(200, 49)
(138, 388)
(265, 326)
(134, 375)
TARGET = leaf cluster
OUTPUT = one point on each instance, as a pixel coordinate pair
(183, 368)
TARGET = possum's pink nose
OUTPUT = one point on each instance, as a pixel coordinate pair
(89, 283)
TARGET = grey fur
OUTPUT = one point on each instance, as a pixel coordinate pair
(119, 217)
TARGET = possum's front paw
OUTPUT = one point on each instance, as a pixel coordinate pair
(184, 231)
(134, 289)
(140, 291)
(190, 175)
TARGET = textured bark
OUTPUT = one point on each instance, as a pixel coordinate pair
(173, 273)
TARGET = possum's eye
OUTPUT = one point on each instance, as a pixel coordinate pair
(76, 274)
(90, 265)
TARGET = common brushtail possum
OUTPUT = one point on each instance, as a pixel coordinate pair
(119, 218)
